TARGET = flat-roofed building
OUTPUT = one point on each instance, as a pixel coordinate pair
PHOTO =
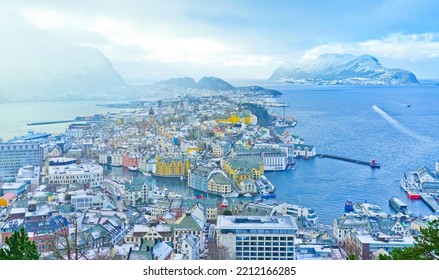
(368, 244)
(90, 174)
(258, 238)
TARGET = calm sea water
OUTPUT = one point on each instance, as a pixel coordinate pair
(16, 116)
(351, 121)
(360, 123)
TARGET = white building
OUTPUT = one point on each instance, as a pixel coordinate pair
(116, 159)
(29, 174)
(258, 237)
(17, 154)
(86, 201)
(91, 174)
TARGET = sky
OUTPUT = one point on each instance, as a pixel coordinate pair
(153, 40)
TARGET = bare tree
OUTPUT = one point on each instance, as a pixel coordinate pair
(218, 252)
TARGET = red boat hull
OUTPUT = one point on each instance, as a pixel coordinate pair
(413, 195)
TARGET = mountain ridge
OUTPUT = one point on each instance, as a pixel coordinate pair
(333, 68)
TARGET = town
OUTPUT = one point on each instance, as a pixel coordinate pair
(216, 147)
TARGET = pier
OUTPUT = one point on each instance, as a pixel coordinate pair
(51, 122)
(372, 164)
(431, 203)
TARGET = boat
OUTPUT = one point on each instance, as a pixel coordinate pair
(174, 195)
(232, 194)
(147, 174)
(133, 168)
(247, 195)
(398, 205)
(156, 193)
(411, 190)
(349, 206)
(285, 122)
(224, 203)
(266, 194)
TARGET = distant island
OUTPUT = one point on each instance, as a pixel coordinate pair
(343, 69)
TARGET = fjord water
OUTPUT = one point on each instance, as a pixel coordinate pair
(396, 125)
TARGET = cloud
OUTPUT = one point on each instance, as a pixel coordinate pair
(412, 47)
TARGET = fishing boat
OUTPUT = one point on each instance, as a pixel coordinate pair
(349, 206)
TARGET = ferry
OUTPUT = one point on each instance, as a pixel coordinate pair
(411, 190)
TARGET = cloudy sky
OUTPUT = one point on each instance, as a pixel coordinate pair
(152, 40)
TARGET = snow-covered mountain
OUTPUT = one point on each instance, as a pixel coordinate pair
(68, 73)
(343, 69)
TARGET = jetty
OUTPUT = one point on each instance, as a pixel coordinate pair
(431, 203)
(51, 122)
(372, 164)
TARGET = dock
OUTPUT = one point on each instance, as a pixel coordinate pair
(372, 164)
(431, 203)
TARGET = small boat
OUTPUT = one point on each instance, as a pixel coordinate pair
(247, 195)
(349, 206)
(147, 174)
(133, 168)
(266, 194)
(224, 203)
(232, 194)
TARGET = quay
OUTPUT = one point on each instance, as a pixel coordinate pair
(431, 203)
(372, 164)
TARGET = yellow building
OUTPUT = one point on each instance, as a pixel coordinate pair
(244, 117)
(240, 169)
(172, 166)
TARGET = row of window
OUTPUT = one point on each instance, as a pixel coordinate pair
(264, 254)
(267, 238)
(258, 231)
(261, 243)
(263, 249)
(18, 147)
